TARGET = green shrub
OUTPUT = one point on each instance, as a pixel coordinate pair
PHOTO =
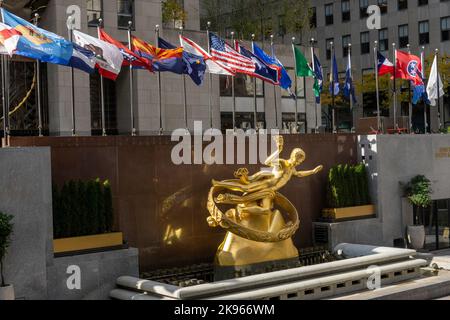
(82, 208)
(418, 191)
(6, 229)
(348, 186)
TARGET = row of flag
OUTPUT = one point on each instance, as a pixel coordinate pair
(108, 56)
(87, 53)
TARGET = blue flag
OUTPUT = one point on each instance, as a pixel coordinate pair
(262, 71)
(192, 65)
(82, 59)
(334, 78)
(285, 81)
(318, 86)
(37, 43)
(420, 93)
(349, 89)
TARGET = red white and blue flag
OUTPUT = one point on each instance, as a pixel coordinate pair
(229, 57)
(409, 67)
(384, 65)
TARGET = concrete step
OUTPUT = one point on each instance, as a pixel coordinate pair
(425, 288)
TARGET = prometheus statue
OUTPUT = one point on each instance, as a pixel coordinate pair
(256, 215)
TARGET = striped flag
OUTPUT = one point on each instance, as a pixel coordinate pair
(229, 57)
(9, 38)
(213, 66)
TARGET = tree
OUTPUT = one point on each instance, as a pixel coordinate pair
(173, 11)
(259, 17)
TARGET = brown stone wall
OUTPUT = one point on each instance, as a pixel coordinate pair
(161, 208)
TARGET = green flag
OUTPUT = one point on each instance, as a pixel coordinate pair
(303, 69)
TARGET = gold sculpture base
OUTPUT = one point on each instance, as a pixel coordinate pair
(237, 251)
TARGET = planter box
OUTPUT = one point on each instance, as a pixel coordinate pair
(87, 243)
(349, 213)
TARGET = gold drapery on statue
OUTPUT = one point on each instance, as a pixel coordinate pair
(257, 231)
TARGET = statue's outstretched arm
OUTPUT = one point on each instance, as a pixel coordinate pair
(304, 174)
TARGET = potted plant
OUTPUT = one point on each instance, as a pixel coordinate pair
(6, 228)
(418, 192)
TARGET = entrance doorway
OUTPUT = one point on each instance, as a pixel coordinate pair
(436, 220)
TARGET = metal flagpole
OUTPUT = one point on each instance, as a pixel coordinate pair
(375, 54)
(130, 46)
(333, 109)
(395, 87)
(296, 86)
(233, 93)
(161, 125)
(438, 90)
(5, 109)
(102, 87)
(255, 99)
(274, 86)
(72, 78)
(410, 111)
(351, 76)
(425, 116)
(210, 80)
(314, 70)
(186, 125)
(38, 85)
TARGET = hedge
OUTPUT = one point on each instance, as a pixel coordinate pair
(348, 186)
(82, 208)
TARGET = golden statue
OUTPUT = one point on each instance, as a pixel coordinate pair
(257, 229)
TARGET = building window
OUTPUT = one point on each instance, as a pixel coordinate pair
(383, 4)
(346, 41)
(403, 37)
(243, 86)
(383, 39)
(313, 18)
(365, 42)
(363, 5)
(125, 13)
(94, 12)
(328, 48)
(329, 18)
(402, 4)
(422, 2)
(281, 26)
(110, 105)
(445, 28)
(345, 5)
(424, 34)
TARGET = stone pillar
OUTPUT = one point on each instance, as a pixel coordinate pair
(59, 80)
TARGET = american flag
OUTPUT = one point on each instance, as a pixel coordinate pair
(229, 57)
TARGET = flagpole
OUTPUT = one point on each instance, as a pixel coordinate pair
(130, 46)
(72, 79)
(255, 99)
(161, 128)
(375, 54)
(102, 87)
(410, 111)
(395, 87)
(425, 116)
(333, 110)
(315, 98)
(351, 76)
(438, 89)
(208, 26)
(274, 86)
(186, 125)
(233, 93)
(5, 109)
(38, 85)
(296, 84)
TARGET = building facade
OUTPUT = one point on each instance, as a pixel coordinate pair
(57, 95)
